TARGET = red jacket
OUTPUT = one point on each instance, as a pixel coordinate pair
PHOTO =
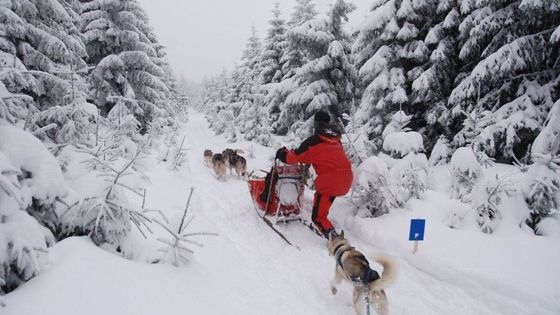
(327, 156)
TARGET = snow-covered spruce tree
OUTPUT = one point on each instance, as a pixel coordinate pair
(30, 183)
(398, 139)
(441, 153)
(121, 122)
(248, 93)
(13, 107)
(541, 185)
(255, 115)
(510, 71)
(108, 216)
(257, 122)
(14, 75)
(214, 89)
(220, 114)
(465, 172)
(293, 57)
(488, 196)
(390, 54)
(326, 81)
(304, 11)
(408, 163)
(409, 176)
(273, 49)
(355, 141)
(246, 74)
(128, 68)
(435, 79)
(42, 55)
(372, 187)
(472, 135)
(222, 119)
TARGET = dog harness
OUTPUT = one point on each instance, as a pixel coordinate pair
(368, 276)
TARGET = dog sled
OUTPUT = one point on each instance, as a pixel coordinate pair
(278, 197)
(280, 193)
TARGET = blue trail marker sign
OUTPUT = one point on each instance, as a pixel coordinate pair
(417, 227)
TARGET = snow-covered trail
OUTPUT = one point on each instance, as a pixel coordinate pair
(247, 269)
(275, 277)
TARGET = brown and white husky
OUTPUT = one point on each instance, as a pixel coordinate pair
(208, 157)
(354, 267)
(219, 166)
(235, 161)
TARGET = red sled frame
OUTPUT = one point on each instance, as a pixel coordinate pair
(285, 197)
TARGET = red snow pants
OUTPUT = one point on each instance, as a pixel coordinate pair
(321, 205)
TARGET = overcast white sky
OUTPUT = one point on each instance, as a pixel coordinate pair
(205, 36)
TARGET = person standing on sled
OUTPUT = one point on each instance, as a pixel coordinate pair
(324, 151)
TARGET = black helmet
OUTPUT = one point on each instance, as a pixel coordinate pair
(322, 124)
(321, 120)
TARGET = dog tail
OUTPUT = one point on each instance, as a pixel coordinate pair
(389, 273)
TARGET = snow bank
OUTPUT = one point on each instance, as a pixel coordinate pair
(549, 227)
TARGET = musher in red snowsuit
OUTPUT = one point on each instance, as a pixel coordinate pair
(325, 153)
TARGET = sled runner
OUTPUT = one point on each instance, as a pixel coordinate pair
(280, 193)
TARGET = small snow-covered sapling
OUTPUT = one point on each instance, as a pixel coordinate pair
(179, 156)
(176, 250)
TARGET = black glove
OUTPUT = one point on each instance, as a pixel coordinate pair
(281, 154)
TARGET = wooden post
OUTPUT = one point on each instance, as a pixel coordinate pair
(416, 234)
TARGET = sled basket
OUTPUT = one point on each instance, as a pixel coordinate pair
(285, 196)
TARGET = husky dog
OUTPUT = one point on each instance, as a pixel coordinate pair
(219, 165)
(354, 267)
(239, 164)
(235, 161)
(208, 157)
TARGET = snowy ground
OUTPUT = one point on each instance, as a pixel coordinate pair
(248, 269)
